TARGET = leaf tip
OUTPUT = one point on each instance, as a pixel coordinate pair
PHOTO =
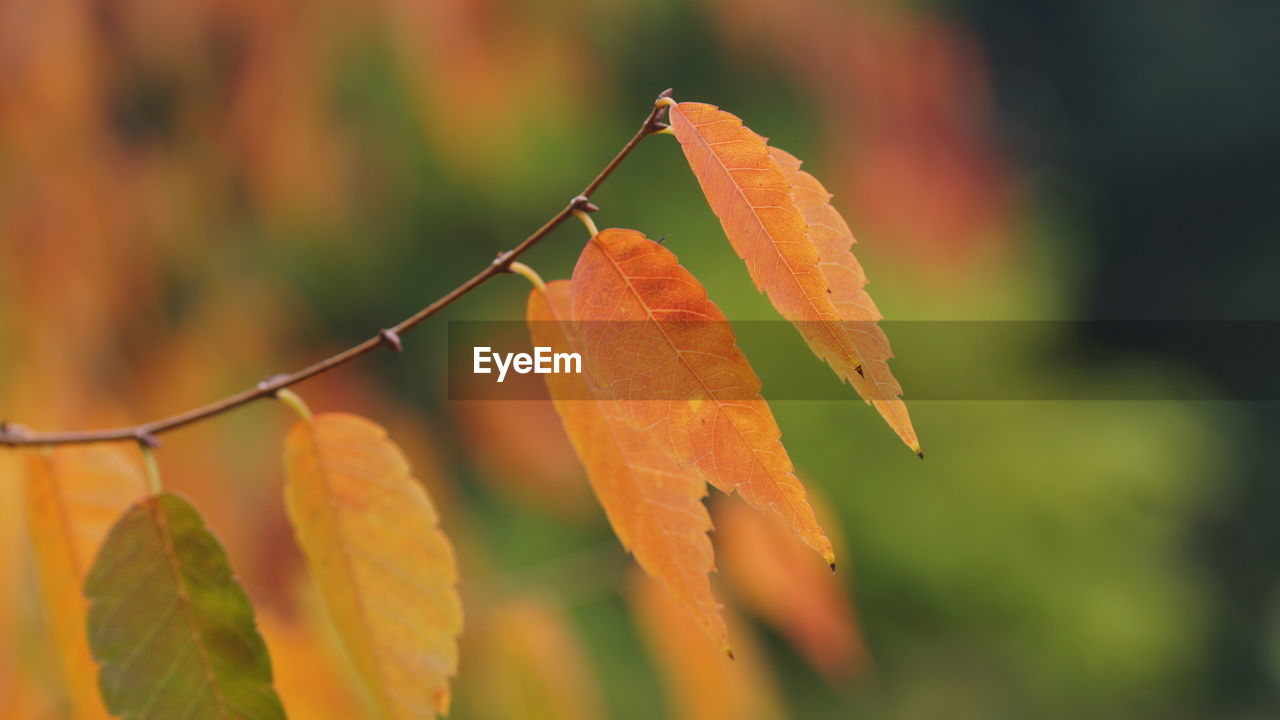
(729, 652)
(919, 453)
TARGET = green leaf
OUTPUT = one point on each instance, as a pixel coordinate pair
(169, 624)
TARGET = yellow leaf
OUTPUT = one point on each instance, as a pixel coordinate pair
(654, 505)
(754, 200)
(74, 496)
(386, 572)
(666, 354)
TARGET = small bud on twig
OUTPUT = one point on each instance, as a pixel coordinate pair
(583, 204)
(270, 380)
(391, 339)
(146, 439)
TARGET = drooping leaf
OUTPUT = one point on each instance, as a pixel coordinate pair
(654, 505)
(170, 625)
(700, 683)
(834, 241)
(764, 566)
(74, 495)
(530, 665)
(659, 347)
(754, 201)
(384, 568)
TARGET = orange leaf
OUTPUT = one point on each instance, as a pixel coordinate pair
(385, 570)
(754, 200)
(833, 240)
(663, 350)
(702, 684)
(764, 566)
(13, 554)
(74, 496)
(518, 446)
(654, 505)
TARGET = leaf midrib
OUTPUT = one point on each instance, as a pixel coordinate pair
(680, 357)
(184, 600)
(827, 324)
(347, 564)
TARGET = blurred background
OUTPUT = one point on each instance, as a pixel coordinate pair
(195, 194)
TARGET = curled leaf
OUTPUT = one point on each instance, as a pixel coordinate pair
(664, 352)
(171, 626)
(384, 568)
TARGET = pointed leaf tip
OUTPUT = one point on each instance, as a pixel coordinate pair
(687, 384)
(777, 216)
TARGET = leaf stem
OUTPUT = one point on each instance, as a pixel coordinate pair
(153, 469)
(13, 435)
(586, 220)
(294, 401)
(529, 274)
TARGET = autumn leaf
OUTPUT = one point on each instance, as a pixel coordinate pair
(663, 350)
(654, 505)
(530, 665)
(833, 240)
(12, 560)
(700, 683)
(312, 681)
(384, 568)
(763, 565)
(518, 447)
(170, 624)
(757, 207)
(74, 495)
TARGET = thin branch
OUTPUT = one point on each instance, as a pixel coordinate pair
(11, 434)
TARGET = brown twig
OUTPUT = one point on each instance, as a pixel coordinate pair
(12, 434)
